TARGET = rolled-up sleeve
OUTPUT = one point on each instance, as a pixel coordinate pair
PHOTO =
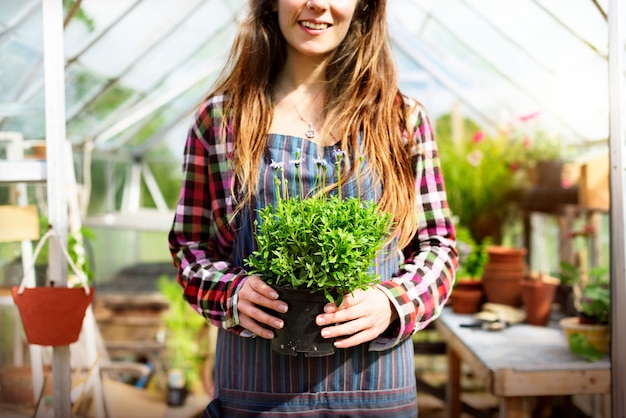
(201, 239)
(421, 288)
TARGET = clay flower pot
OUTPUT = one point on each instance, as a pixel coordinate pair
(52, 315)
(466, 301)
(502, 254)
(467, 296)
(503, 273)
(537, 296)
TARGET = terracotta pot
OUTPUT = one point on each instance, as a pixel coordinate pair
(502, 254)
(505, 291)
(510, 275)
(597, 335)
(537, 297)
(16, 384)
(466, 301)
(301, 334)
(468, 283)
(515, 267)
(52, 316)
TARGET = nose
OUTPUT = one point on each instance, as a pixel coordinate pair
(317, 4)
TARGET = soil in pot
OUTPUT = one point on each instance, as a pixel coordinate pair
(301, 334)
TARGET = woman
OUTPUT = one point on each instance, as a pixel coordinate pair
(312, 77)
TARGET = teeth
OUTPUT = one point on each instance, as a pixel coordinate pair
(315, 26)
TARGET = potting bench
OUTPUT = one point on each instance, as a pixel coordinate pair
(517, 363)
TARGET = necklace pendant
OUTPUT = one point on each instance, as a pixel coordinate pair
(310, 133)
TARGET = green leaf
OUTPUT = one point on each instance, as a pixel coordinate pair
(580, 346)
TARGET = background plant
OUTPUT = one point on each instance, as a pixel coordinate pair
(321, 243)
(486, 173)
(473, 256)
(187, 346)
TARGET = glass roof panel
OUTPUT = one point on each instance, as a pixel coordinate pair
(129, 59)
(506, 69)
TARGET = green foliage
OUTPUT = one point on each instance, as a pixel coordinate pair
(484, 173)
(479, 180)
(75, 248)
(580, 346)
(594, 300)
(472, 256)
(596, 303)
(186, 346)
(321, 243)
(79, 14)
(569, 273)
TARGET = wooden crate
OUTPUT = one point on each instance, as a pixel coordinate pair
(18, 223)
(593, 185)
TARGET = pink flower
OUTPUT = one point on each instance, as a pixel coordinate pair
(478, 137)
(530, 116)
(527, 141)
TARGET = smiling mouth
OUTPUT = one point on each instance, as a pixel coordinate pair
(314, 26)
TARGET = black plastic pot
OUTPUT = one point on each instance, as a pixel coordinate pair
(300, 333)
(176, 396)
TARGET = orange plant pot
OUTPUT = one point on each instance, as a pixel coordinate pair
(52, 316)
(537, 297)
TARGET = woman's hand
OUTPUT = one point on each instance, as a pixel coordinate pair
(362, 316)
(254, 293)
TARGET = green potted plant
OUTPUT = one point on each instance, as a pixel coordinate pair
(588, 333)
(480, 178)
(467, 294)
(186, 347)
(486, 174)
(315, 249)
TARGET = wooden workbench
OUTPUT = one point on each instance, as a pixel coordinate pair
(519, 362)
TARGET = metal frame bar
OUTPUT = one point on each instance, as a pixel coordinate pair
(617, 145)
(54, 80)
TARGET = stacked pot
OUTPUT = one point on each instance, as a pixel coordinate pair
(503, 274)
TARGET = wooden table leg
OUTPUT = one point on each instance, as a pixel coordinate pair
(453, 386)
(511, 407)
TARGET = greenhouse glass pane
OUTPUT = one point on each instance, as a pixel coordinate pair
(30, 30)
(96, 115)
(98, 17)
(81, 86)
(139, 31)
(19, 66)
(10, 10)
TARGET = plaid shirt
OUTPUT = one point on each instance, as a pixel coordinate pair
(201, 239)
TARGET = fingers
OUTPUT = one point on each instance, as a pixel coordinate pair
(367, 333)
(252, 298)
(361, 317)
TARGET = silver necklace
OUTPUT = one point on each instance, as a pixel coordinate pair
(310, 133)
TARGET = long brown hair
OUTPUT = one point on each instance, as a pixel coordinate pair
(362, 97)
